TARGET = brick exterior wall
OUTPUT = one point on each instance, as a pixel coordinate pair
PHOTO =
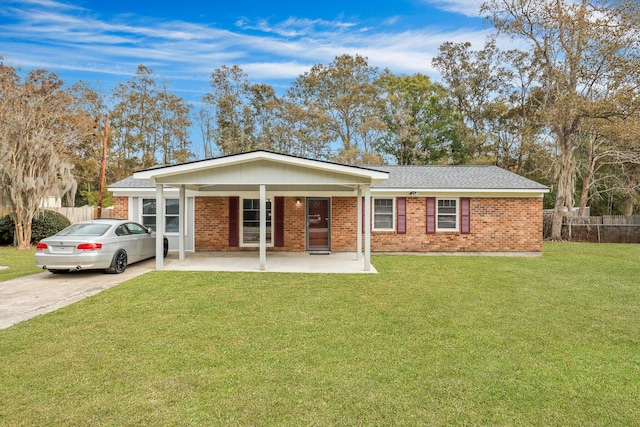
(212, 226)
(121, 207)
(497, 225)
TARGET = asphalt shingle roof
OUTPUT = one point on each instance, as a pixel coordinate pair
(455, 178)
(131, 182)
(424, 177)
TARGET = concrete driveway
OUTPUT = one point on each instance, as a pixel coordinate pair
(29, 296)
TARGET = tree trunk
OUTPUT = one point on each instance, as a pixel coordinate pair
(588, 175)
(564, 196)
(584, 194)
(628, 206)
(556, 219)
(22, 233)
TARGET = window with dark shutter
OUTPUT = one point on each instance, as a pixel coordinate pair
(431, 215)
(234, 226)
(465, 215)
(278, 238)
(401, 203)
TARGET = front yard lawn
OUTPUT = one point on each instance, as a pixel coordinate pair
(21, 263)
(428, 341)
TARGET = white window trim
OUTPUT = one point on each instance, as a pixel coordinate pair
(373, 214)
(457, 227)
(171, 233)
(241, 213)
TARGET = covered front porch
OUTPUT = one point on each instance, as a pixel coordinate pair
(261, 178)
(279, 262)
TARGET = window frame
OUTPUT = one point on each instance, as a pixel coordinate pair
(271, 219)
(456, 227)
(393, 214)
(166, 215)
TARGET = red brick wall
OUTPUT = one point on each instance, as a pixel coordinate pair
(294, 225)
(212, 225)
(344, 223)
(497, 225)
(121, 207)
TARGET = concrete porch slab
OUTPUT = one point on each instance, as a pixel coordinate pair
(280, 262)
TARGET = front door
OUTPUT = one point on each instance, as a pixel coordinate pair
(318, 224)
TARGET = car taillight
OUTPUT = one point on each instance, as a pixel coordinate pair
(41, 246)
(89, 246)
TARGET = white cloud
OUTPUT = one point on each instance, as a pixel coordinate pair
(469, 8)
(49, 34)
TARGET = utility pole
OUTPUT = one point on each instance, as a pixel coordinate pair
(103, 169)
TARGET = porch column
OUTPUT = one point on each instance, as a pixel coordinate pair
(367, 227)
(263, 227)
(159, 226)
(359, 227)
(181, 224)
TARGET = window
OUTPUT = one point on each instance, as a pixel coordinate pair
(135, 228)
(171, 214)
(251, 222)
(447, 214)
(383, 214)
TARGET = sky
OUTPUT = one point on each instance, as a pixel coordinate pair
(102, 42)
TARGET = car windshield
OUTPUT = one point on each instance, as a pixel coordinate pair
(85, 230)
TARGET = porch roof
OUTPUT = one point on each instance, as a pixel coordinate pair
(246, 170)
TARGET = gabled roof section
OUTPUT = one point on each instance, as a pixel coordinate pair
(437, 177)
(131, 182)
(168, 173)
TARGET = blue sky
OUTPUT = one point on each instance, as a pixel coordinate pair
(184, 41)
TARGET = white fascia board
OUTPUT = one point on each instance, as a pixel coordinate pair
(450, 192)
(374, 175)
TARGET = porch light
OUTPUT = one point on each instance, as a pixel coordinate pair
(298, 202)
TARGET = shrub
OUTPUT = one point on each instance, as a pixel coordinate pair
(44, 224)
(47, 223)
(6, 230)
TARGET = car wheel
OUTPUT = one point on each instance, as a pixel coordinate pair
(59, 271)
(165, 249)
(119, 263)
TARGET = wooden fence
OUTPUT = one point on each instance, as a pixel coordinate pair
(598, 229)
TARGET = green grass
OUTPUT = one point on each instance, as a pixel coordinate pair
(20, 263)
(429, 341)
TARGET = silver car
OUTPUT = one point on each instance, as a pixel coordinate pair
(104, 244)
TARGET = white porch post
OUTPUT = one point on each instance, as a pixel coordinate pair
(181, 222)
(159, 226)
(367, 227)
(359, 227)
(263, 227)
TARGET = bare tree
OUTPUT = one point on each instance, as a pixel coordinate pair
(589, 53)
(206, 124)
(37, 137)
